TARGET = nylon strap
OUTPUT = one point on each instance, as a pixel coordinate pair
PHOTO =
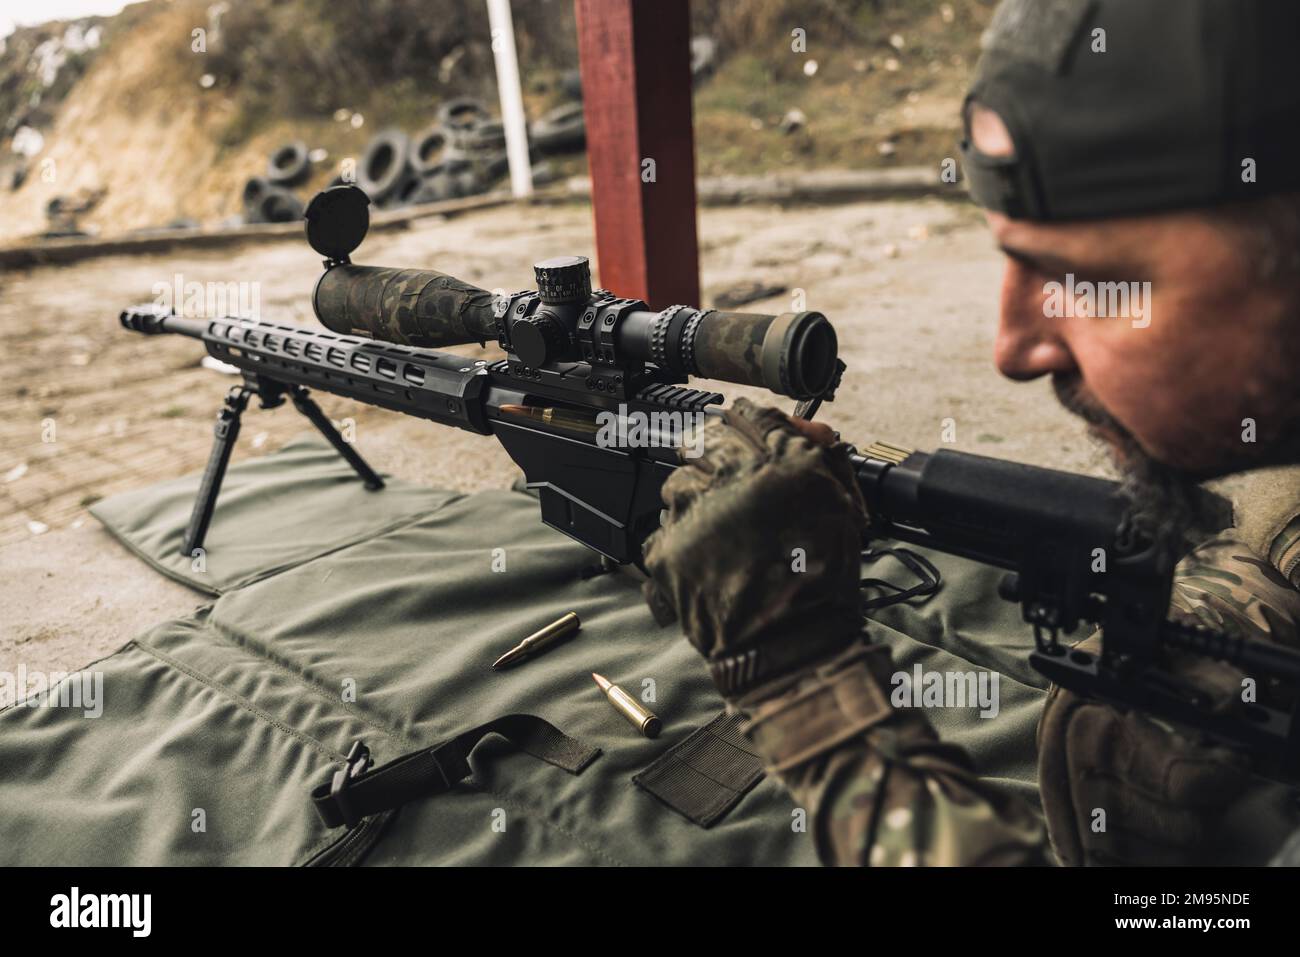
(355, 792)
(840, 701)
(705, 776)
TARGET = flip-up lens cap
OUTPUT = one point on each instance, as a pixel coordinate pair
(337, 220)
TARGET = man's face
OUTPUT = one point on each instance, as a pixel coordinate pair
(1196, 374)
(1202, 361)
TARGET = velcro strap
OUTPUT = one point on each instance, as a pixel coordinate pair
(354, 793)
(736, 674)
(705, 776)
(833, 704)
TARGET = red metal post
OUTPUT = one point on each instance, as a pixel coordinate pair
(636, 84)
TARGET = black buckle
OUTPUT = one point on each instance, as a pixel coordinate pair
(357, 763)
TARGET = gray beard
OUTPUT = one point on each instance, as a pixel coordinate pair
(1166, 505)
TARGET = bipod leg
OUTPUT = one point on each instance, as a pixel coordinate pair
(303, 402)
(225, 433)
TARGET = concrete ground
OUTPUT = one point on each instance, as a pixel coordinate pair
(88, 410)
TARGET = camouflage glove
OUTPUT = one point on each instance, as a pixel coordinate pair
(759, 554)
(1120, 789)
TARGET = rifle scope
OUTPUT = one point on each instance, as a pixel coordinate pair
(791, 354)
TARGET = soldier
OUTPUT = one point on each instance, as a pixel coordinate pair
(1145, 148)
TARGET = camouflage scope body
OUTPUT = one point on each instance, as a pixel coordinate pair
(791, 354)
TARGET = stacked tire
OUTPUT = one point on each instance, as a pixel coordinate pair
(462, 154)
(384, 172)
(445, 161)
(270, 198)
(562, 130)
(268, 202)
(290, 165)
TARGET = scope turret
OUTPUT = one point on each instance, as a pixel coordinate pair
(564, 280)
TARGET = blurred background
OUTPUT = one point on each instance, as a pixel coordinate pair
(191, 112)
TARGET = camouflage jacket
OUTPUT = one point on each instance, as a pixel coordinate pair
(894, 794)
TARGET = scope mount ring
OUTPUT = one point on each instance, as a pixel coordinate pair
(597, 331)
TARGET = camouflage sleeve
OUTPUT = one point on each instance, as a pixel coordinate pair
(1284, 552)
(1226, 585)
(879, 787)
(1266, 506)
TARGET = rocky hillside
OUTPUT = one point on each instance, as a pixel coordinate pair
(163, 112)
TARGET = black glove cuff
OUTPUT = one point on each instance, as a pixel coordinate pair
(744, 670)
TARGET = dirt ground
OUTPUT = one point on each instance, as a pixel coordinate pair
(88, 410)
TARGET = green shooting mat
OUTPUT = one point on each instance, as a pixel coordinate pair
(341, 615)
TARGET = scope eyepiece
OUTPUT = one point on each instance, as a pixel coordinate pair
(799, 354)
(791, 354)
